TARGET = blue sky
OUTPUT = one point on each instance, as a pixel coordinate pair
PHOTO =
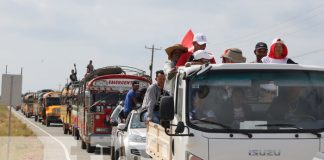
(47, 37)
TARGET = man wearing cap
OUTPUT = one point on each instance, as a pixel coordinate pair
(130, 100)
(174, 52)
(199, 43)
(233, 55)
(200, 57)
(260, 51)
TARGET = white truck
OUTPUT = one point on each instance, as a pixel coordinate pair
(242, 111)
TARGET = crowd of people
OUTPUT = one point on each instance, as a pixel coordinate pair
(179, 55)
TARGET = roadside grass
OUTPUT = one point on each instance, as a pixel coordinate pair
(23, 144)
(17, 127)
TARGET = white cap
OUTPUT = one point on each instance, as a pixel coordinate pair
(202, 54)
(200, 38)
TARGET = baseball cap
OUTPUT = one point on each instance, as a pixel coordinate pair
(200, 38)
(261, 45)
(135, 83)
(201, 54)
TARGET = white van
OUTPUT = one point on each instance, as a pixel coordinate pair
(242, 111)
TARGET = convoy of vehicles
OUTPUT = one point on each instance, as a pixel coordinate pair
(220, 111)
(279, 116)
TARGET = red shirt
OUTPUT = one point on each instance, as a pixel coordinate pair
(185, 57)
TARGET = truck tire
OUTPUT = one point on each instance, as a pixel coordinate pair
(36, 118)
(112, 152)
(73, 132)
(83, 144)
(77, 134)
(39, 120)
(90, 149)
(64, 129)
(116, 156)
(48, 123)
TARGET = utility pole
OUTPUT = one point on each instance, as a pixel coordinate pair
(151, 65)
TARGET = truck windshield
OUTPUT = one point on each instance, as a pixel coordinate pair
(52, 101)
(261, 100)
(110, 98)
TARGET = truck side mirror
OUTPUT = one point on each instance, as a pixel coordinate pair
(167, 108)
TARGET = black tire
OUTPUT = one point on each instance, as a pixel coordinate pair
(73, 132)
(36, 118)
(48, 123)
(112, 152)
(77, 134)
(39, 120)
(116, 156)
(64, 129)
(83, 145)
(90, 149)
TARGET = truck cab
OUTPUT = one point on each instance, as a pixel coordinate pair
(242, 111)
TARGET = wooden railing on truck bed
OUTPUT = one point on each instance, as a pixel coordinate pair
(158, 144)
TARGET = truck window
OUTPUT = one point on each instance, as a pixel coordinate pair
(249, 100)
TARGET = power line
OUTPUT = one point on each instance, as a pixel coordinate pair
(274, 27)
(308, 53)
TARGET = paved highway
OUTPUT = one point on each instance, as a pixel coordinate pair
(58, 146)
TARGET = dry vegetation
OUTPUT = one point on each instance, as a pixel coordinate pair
(24, 144)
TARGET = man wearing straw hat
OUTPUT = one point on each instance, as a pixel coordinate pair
(174, 52)
(233, 55)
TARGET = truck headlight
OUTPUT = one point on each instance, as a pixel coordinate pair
(190, 156)
(136, 138)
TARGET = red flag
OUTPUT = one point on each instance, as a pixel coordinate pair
(187, 39)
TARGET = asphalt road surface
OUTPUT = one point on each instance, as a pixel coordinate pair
(58, 146)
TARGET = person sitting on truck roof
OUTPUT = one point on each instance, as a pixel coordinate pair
(260, 51)
(200, 57)
(233, 55)
(278, 53)
(90, 67)
(130, 100)
(199, 43)
(152, 98)
(174, 52)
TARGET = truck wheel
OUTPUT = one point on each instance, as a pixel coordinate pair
(39, 120)
(90, 149)
(73, 132)
(64, 129)
(47, 123)
(36, 118)
(83, 145)
(77, 134)
(116, 157)
(112, 152)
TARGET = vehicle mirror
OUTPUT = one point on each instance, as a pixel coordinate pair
(167, 108)
(121, 126)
